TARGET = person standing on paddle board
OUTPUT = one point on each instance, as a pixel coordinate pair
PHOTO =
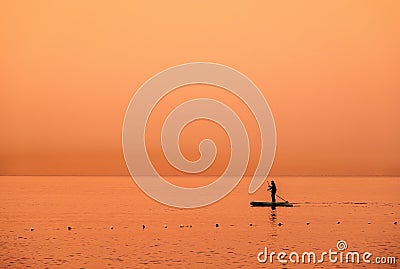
(273, 189)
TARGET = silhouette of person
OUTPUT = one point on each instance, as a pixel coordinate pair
(273, 189)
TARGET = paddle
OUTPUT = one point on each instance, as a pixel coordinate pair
(286, 201)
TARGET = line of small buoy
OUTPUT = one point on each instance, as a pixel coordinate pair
(217, 225)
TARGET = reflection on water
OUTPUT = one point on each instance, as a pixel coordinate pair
(36, 211)
(273, 215)
(272, 220)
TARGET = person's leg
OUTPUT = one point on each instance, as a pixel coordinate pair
(273, 197)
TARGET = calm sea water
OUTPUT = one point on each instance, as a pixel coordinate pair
(360, 211)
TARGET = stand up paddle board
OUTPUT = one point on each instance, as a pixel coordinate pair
(259, 203)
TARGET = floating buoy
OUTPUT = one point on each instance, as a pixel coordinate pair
(165, 226)
(143, 226)
(32, 229)
(308, 223)
(111, 228)
(251, 224)
(181, 226)
(217, 225)
(369, 222)
(190, 226)
(395, 222)
(69, 228)
(280, 224)
(338, 222)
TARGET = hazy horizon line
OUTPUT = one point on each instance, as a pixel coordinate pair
(125, 175)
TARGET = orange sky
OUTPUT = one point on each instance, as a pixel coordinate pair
(328, 69)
